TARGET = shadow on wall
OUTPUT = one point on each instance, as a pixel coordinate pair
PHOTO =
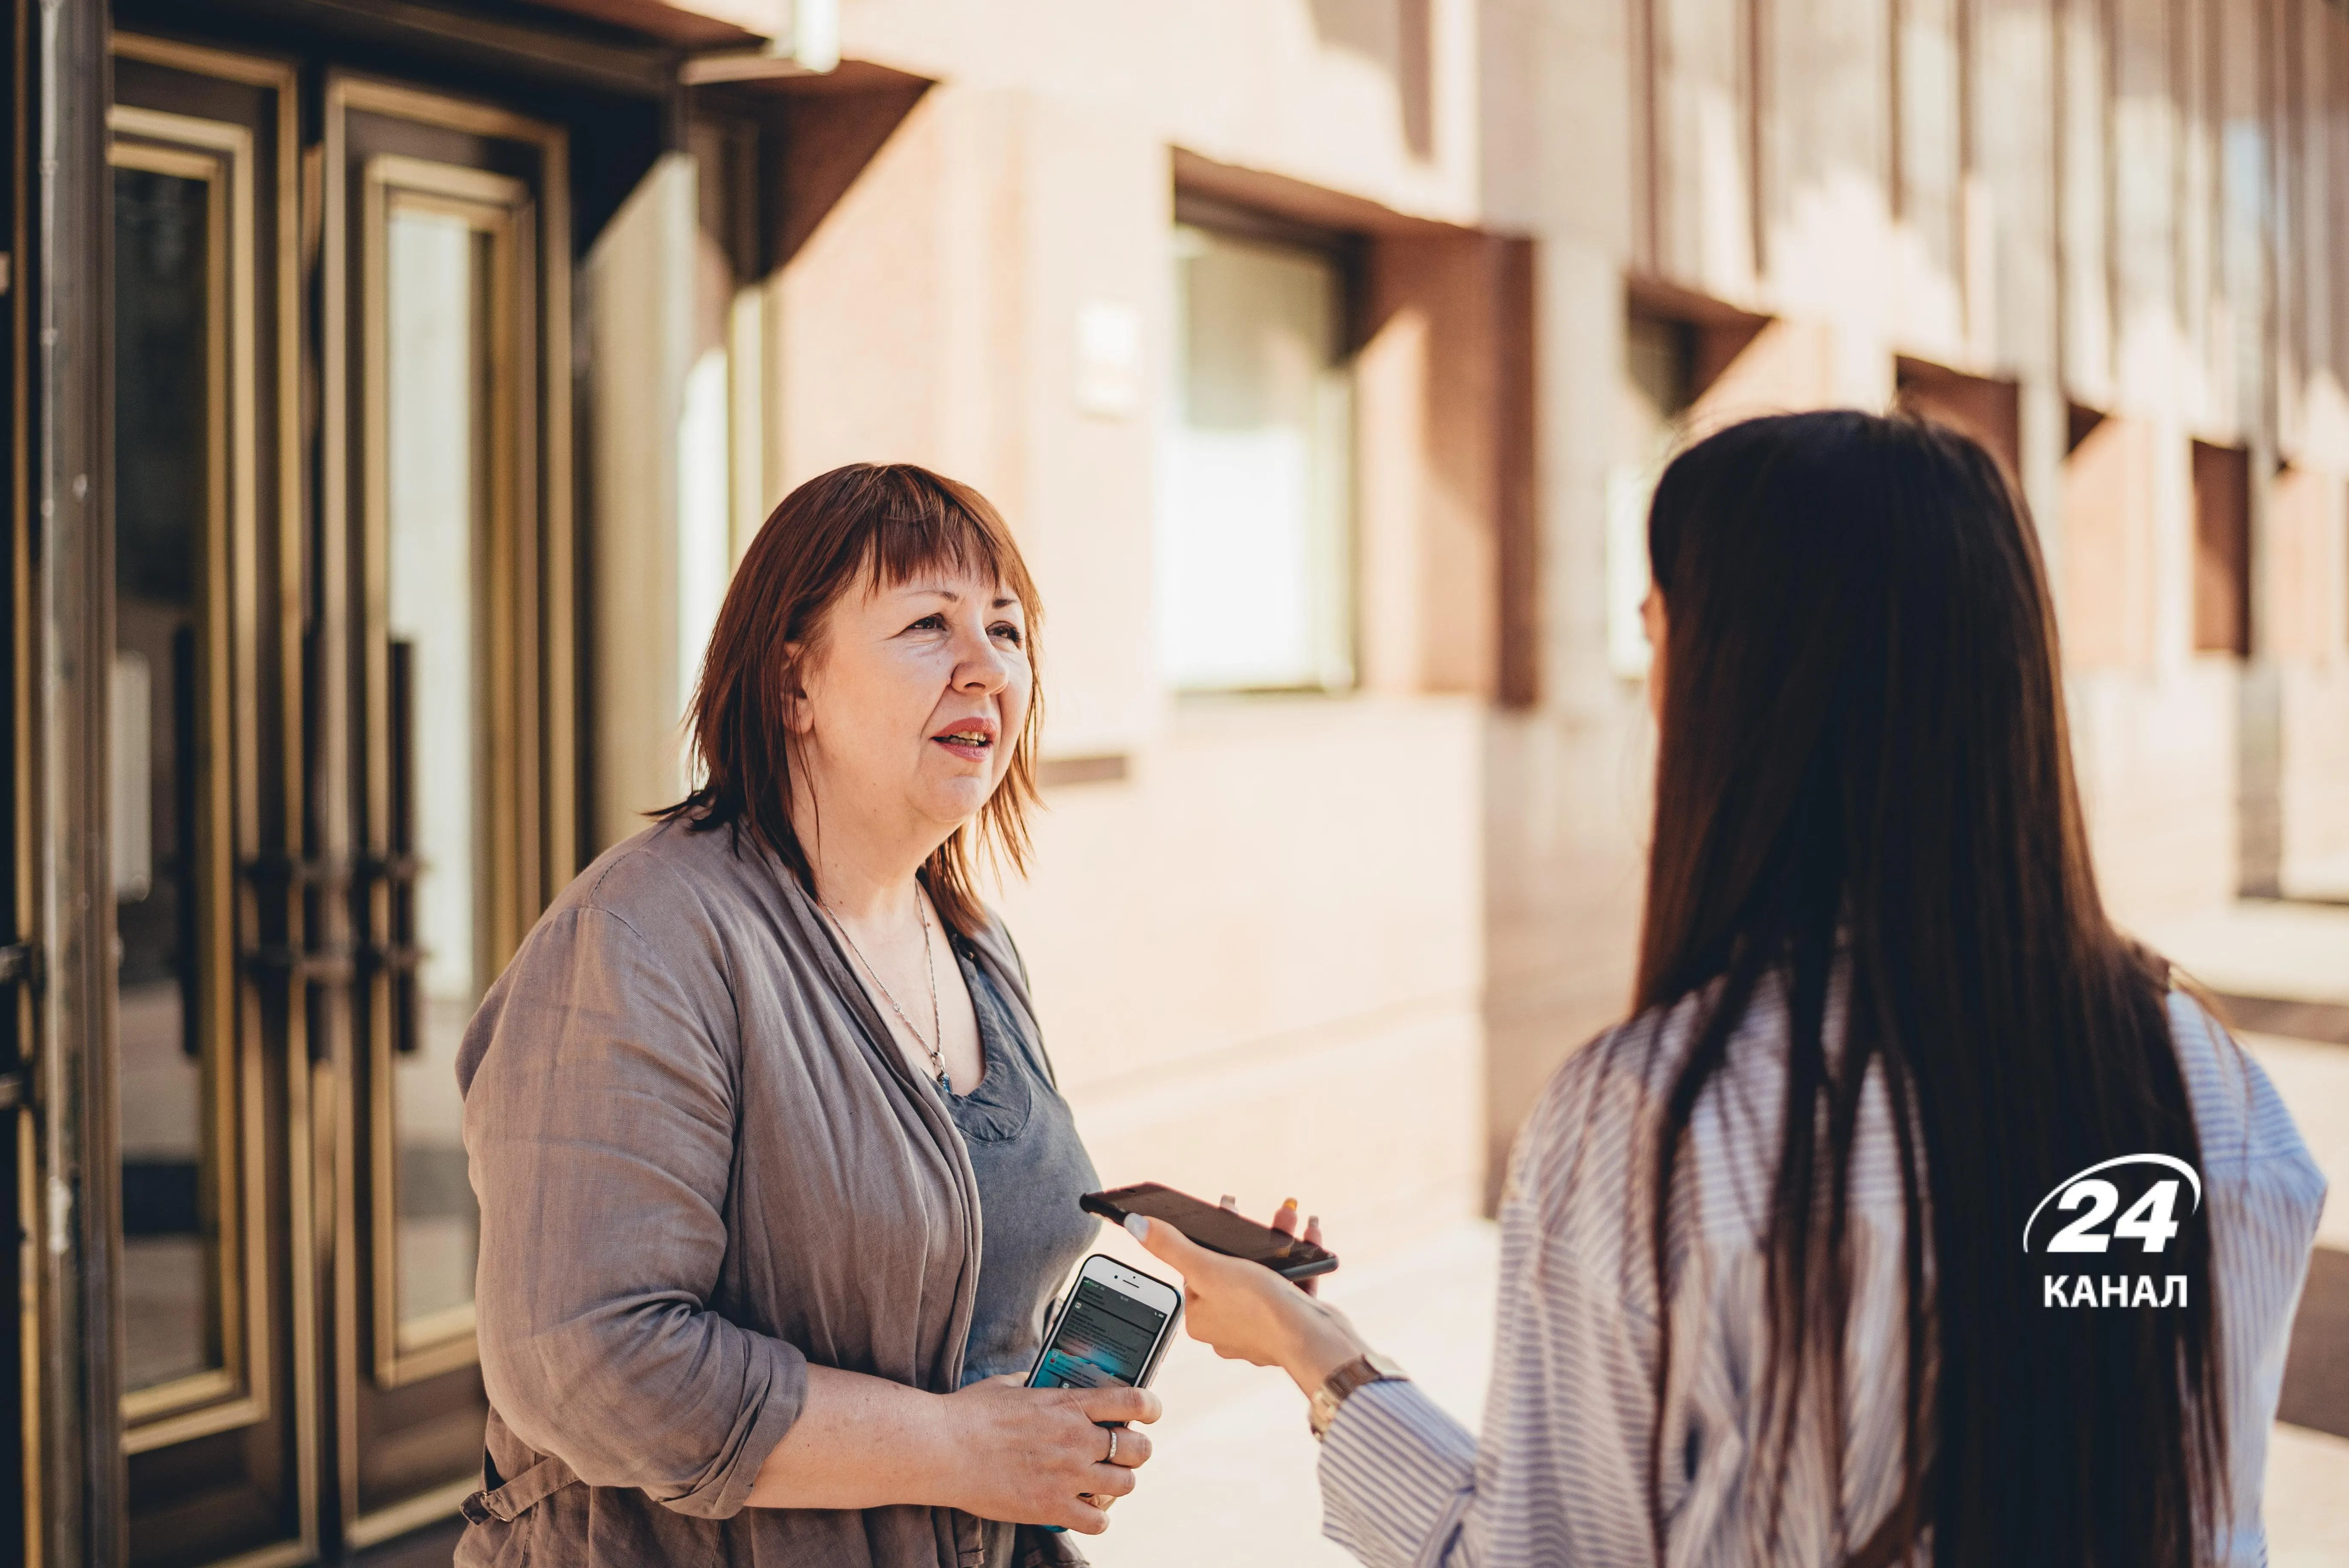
(1395, 36)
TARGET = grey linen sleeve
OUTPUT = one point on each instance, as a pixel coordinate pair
(600, 1126)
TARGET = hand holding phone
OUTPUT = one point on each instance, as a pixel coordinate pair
(1216, 1229)
(1112, 1328)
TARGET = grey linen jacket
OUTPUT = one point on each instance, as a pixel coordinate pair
(702, 1166)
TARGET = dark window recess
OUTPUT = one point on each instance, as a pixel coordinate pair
(1991, 411)
(1517, 499)
(2222, 550)
(2080, 423)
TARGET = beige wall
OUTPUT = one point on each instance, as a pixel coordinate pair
(1259, 955)
(1259, 959)
(1334, 944)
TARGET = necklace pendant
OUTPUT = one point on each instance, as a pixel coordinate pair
(946, 1085)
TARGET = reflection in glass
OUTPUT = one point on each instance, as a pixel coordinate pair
(1253, 571)
(163, 414)
(437, 302)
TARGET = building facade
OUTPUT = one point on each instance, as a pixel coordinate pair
(394, 385)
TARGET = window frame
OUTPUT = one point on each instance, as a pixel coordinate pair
(1347, 255)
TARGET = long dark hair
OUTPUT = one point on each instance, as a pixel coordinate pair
(864, 525)
(1863, 753)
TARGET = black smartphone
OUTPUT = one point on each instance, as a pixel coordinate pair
(1218, 1230)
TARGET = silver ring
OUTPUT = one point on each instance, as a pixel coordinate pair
(1111, 1457)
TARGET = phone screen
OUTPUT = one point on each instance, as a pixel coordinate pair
(1104, 1336)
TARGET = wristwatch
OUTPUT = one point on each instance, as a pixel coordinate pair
(1368, 1367)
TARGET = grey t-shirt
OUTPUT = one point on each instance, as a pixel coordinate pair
(1032, 1168)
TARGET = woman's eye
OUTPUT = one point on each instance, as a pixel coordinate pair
(1006, 629)
(935, 622)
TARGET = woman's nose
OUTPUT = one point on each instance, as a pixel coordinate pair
(981, 666)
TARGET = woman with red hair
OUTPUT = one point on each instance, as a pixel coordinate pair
(775, 1182)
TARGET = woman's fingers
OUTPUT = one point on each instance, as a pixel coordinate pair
(1109, 1481)
(1283, 1219)
(1114, 1402)
(1132, 1450)
(1169, 1245)
(1082, 1517)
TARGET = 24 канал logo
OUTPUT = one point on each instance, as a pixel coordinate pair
(2126, 1208)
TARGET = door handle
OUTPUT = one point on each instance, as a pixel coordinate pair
(185, 870)
(20, 964)
(309, 966)
(398, 954)
(295, 874)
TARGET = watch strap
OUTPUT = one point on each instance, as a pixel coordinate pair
(1368, 1367)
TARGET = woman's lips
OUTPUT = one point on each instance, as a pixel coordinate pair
(971, 740)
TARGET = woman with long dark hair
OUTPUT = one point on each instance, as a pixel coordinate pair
(1775, 1277)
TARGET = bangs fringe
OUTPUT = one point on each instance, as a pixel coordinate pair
(864, 526)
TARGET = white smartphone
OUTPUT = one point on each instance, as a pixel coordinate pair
(1113, 1327)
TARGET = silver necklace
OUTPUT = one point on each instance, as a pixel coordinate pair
(930, 958)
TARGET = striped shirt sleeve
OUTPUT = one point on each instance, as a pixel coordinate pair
(1559, 1476)
(1397, 1473)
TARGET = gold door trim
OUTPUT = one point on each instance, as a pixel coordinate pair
(279, 77)
(402, 1517)
(553, 765)
(199, 60)
(536, 592)
(237, 1393)
(499, 209)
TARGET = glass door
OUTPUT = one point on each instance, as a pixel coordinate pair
(446, 534)
(341, 767)
(211, 1090)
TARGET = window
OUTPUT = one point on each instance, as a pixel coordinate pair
(2222, 548)
(1255, 571)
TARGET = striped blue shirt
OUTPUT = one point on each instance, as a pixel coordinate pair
(1559, 1477)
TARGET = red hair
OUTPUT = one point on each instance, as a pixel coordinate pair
(865, 525)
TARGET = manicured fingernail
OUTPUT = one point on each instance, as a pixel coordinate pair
(1229, 1201)
(1289, 1202)
(1139, 1226)
(1311, 1221)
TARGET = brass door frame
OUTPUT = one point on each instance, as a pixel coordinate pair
(237, 1391)
(499, 207)
(58, 295)
(143, 137)
(544, 764)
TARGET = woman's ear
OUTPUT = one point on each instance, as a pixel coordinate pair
(798, 716)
